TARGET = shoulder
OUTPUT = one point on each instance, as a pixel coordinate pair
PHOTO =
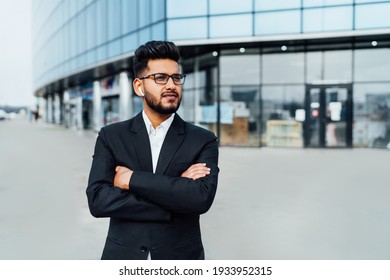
(117, 127)
(198, 132)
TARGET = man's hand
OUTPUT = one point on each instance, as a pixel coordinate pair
(122, 177)
(196, 171)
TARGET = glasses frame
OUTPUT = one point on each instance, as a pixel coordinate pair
(181, 76)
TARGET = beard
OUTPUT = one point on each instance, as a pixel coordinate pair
(157, 106)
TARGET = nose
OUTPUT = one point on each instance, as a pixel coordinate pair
(170, 84)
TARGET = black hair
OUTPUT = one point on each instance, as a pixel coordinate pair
(153, 50)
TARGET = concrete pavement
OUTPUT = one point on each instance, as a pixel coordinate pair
(271, 203)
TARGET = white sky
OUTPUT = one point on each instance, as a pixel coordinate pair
(15, 53)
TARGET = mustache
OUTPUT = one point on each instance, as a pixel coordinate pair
(170, 93)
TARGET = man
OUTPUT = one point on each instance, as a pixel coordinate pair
(154, 174)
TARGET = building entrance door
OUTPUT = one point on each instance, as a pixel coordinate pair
(328, 120)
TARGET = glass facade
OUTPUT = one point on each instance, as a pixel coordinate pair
(259, 73)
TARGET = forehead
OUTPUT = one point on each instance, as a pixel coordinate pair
(167, 66)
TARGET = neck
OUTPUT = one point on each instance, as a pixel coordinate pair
(155, 118)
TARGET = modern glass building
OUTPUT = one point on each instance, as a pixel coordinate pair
(282, 73)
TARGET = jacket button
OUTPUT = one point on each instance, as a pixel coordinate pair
(144, 249)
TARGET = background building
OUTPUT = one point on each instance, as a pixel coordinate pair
(289, 73)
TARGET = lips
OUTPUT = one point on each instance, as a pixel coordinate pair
(170, 95)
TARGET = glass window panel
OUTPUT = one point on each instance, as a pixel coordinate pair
(287, 22)
(158, 31)
(327, 19)
(338, 65)
(144, 36)
(129, 16)
(230, 74)
(90, 27)
(187, 106)
(91, 57)
(371, 115)
(114, 48)
(158, 10)
(283, 68)
(130, 42)
(101, 53)
(194, 28)
(366, 1)
(279, 112)
(180, 8)
(372, 16)
(372, 65)
(114, 19)
(101, 25)
(261, 5)
(319, 3)
(144, 13)
(225, 7)
(314, 66)
(227, 26)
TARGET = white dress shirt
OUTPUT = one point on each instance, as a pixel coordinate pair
(156, 138)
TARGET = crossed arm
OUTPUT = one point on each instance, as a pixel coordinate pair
(123, 174)
(118, 191)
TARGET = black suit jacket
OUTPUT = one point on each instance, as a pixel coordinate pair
(160, 213)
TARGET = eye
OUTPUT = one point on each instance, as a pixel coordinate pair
(176, 77)
(160, 77)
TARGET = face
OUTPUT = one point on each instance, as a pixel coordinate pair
(161, 99)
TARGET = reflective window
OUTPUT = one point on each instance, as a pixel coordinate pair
(327, 19)
(101, 19)
(193, 28)
(281, 107)
(130, 42)
(114, 48)
(158, 10)
(144, 13)
(338, 65)
(144, 36)
(225, 7)
(129, 16)
(247, 74)
(283, 68)
(114, 20)
(180, 8)
(278, 22)
(372, 65)
(261, 5)
(371, 115)
(158, 31)
(240, 115)
(90, 27)
(372, 16)
(227, 26)
(367, 1)
(314, 66)
(318, 3)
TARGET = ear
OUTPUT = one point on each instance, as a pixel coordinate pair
(136, 85)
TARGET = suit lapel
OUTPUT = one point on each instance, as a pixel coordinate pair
(140, 139)
(172, 142)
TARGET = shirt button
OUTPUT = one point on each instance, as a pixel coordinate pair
(144, 249)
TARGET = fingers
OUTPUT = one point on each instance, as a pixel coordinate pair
(196, 171)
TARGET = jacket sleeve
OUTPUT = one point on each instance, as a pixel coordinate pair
(179, 194)
(105, 200)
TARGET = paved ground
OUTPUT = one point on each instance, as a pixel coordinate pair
(271, 203)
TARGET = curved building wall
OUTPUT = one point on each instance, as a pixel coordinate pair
(288, 73)
(70, 35)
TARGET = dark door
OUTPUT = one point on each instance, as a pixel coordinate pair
(328, 121)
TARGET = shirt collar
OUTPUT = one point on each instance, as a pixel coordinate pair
(165, 124)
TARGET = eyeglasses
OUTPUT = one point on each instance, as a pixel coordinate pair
(162, 78)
